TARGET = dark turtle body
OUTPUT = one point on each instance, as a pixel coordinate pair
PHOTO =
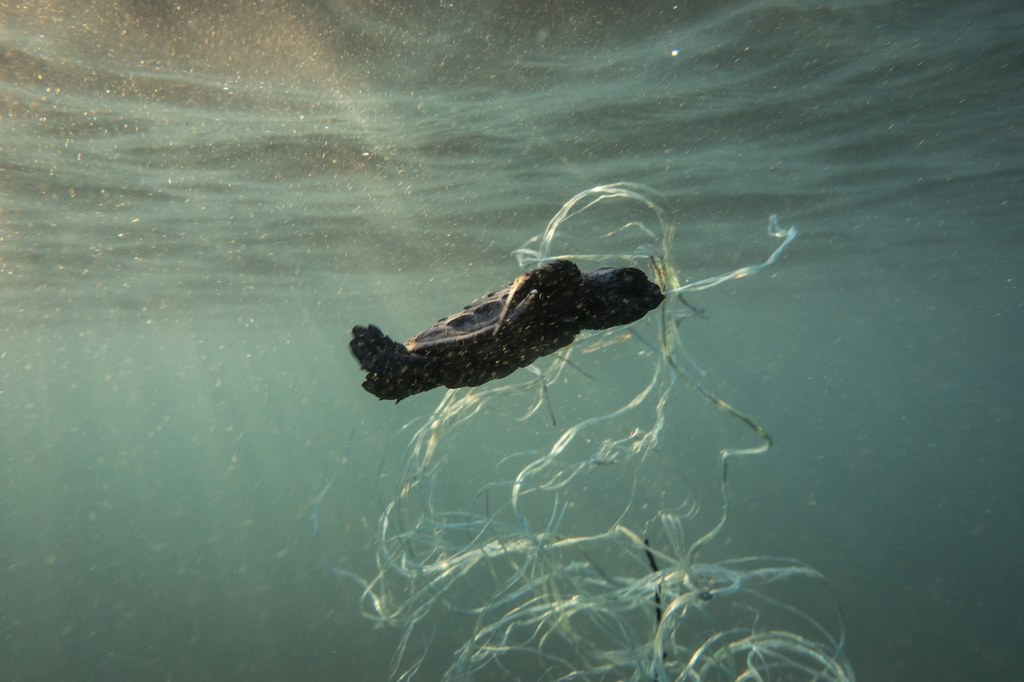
(541, 311)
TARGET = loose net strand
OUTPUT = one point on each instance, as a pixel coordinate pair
(549, 581)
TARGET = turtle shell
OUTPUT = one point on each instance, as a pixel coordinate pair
(521, 312)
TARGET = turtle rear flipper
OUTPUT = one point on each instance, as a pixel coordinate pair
(392, 372)
(372, 347)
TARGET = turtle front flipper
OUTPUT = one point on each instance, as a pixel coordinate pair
(559, 278)
(392, 372)
(518, 294)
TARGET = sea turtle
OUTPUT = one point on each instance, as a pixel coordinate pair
(541, 311)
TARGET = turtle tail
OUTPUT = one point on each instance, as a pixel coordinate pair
(392, 372)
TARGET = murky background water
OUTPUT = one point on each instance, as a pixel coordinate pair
(197, 203)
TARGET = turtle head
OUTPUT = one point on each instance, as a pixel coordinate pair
(614, 296)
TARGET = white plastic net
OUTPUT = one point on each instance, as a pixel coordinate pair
(562, 557)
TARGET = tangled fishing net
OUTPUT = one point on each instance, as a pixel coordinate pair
(556, 552)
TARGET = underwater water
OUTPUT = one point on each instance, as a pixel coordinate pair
(197, 203)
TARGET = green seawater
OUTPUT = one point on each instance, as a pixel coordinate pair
(196, 205)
